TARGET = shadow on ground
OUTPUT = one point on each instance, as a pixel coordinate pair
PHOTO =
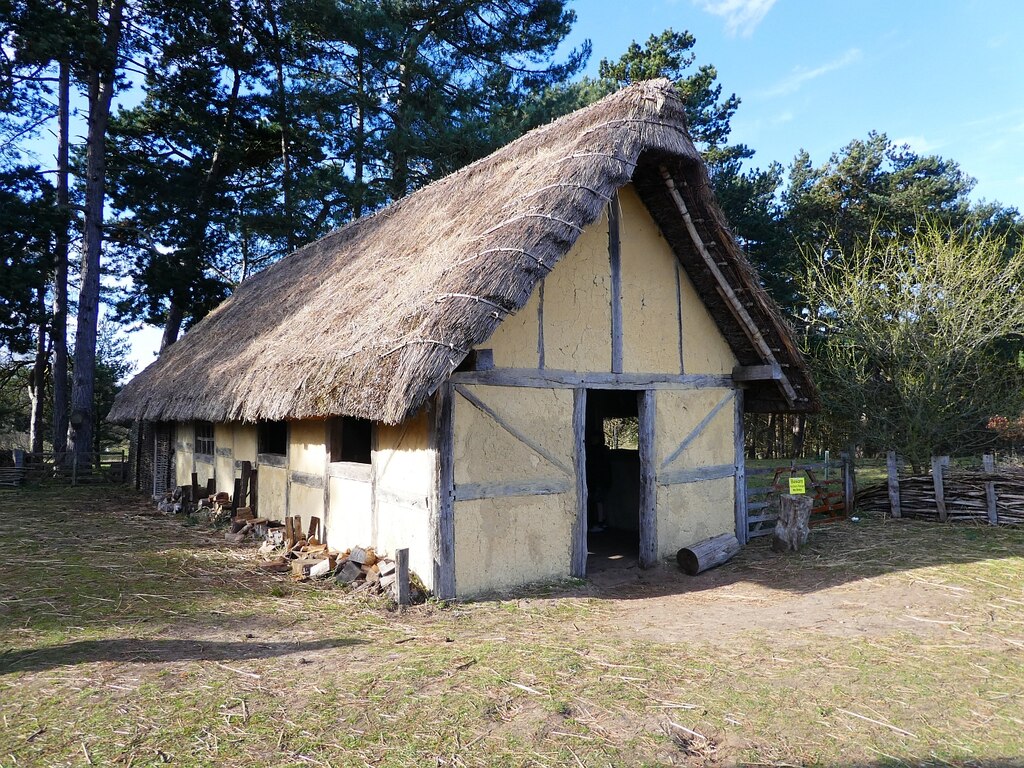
(148, 651)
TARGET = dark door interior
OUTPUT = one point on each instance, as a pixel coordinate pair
(613, 479)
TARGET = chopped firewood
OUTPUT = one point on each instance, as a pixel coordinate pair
(371, 556)
(357, 556)
(320, 570)
(386, 567)
(244, 513)
(313, 541)
(348, 573)
(302, 566)
(314, 527)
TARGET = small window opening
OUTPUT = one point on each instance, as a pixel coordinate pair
(350, 439)
(273, 437)
(204, 438)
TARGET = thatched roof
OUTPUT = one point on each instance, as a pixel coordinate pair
(370, 319)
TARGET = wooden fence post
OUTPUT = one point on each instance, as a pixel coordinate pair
(938, 462)
(988, 462)
(849, 488)
(402, 575)
(892, 465)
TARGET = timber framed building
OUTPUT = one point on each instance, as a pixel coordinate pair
(437, 376)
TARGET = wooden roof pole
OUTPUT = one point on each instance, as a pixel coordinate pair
(746, 321)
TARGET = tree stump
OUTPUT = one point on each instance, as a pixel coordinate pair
(793, 525)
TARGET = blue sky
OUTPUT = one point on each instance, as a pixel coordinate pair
(945, 77)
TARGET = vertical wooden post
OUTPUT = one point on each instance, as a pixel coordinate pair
(893, 468)
(648, 486)
(740, 478)
(615, 266)
(253, 488)
(402, 576)
(578, 567)
(938, 462)
(211, 486)
(442, 529)
(988, 462)
(195, 486)
(849, 486)
(246, 483)
(235, 495)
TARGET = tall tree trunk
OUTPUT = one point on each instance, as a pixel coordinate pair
(100, 78)
(282, 119)
(37, 379)
(358, 203)
(59, 332)
(799, 434)
(172, 326)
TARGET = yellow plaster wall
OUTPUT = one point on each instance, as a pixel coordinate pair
(403, 463)
(510, 540)
(692, 512)
(306, 502)
(705, 350)
(650, 325)
(577, 305)
(515, 341)
(502, 543)
(307, 446)
(245, 443)
(184, 458)
(349, 519)
(486, 453)
(273, 484)
(677, 414)
(224, 437)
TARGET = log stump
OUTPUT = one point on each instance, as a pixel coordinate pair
(793, 525)
(708, 553)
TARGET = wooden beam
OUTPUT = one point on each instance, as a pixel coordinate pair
(849, 481)
(578, 567)
(938, 462)
(696, 474)
(746, 322)
(307, 479)
(559, 379)
(540, 326)
(770, 372)
(740, 478)
(698, 430)
(615, 265)
(473, 491)
(481, 406)
(988, 462)
(648, 486)
(389, 496)
(350, 471)
(442, 528)
(402, 576)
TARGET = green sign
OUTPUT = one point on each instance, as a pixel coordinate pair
(797, 486)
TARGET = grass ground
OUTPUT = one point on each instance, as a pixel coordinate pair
(131, 641)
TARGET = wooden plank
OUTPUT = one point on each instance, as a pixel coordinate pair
(648, 487)
(550, 378)
(442, 529)
(696, 474)
(679, 317)
(254, 485)
(350, 471)
(579, 464)
(938, 462)
(246, 478)
(211, 486)
(740, 478)
(988, 462)
(402, 576)
(235, 493)
(540, 326)
(307, 479)
(481, 406)
(849, 486)
(893, 472)
(196, 491)
(272, 460)
(770, 372)
(699, 429)
(224, 452)
(472, 491)
(615, 265)
(740, 312)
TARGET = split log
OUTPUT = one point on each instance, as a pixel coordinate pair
(708, 553)
(793, 525)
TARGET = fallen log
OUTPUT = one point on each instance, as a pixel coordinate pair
(708, 553)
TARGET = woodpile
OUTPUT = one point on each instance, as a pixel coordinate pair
(965, 496)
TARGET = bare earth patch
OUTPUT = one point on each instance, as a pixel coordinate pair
(131, 641)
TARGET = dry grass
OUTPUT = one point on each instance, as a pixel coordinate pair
(129, 641)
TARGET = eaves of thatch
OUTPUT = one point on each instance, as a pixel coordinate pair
(370, 319)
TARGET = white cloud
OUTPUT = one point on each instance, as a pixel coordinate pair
(796, 80)
(919, 144)
(741, 16)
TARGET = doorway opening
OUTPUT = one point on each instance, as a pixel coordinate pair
(613, 479)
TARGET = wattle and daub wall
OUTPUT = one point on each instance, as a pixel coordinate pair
(515, 487)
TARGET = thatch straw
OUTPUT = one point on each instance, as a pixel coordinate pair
(370, 319)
